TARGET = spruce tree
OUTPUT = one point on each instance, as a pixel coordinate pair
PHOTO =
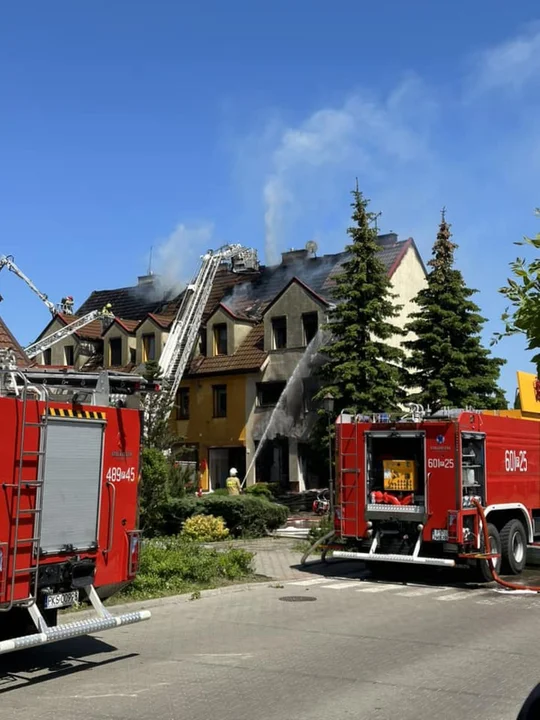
(363, 368)
(447, 364)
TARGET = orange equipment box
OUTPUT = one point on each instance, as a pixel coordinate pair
(399, 475)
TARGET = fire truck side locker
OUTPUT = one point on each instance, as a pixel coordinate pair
(69, 507)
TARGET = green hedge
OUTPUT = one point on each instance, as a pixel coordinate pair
(244, 515)
(171, 565)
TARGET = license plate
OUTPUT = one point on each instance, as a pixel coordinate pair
(59, 600)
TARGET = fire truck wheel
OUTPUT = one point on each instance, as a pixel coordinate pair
(513, 547)
(483, 568)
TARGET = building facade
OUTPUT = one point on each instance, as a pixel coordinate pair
(245, 400)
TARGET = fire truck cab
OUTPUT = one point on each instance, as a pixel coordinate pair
(69, 475)
(405, 489)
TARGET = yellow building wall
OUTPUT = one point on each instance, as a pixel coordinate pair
(206, 431)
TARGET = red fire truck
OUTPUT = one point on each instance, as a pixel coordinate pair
(406, 489)
(69, 464)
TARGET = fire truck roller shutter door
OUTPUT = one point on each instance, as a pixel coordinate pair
(72, 482)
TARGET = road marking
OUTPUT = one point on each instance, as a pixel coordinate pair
(421, 591)
(341, 585)
(456, 596)
(306, 583)
(368, 588)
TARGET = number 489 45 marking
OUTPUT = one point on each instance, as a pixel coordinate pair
(117, 474)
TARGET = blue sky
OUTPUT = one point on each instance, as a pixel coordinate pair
(134, 124)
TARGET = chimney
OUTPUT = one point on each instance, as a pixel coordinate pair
(146, 279)
(289, 257)
(390, 238)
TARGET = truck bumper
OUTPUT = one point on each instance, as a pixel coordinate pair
(104, 621)
(72, 630)
(392, 558)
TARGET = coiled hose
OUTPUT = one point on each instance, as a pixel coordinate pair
(487, 545)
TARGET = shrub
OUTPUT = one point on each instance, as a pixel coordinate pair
(245, 515)
(205, 528)
(172, 564)
(261, 489)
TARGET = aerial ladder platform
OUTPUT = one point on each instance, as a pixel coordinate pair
(186, 325)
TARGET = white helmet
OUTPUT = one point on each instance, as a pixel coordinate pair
(233, 471)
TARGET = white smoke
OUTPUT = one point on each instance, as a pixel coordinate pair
(314, 165)
(177, 257)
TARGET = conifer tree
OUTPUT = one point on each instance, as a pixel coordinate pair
(363, 368)
(447, 364)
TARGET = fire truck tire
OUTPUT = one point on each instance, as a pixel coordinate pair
(482, 566)
(513, 547)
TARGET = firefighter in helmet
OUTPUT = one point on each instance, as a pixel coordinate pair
(233, 483)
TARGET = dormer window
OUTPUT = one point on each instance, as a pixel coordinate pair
(149, 347)
(310, 325)
(115, 352)
(279, 333)
(220, 339)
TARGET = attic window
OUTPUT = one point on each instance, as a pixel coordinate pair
(69, 355)
(115, 352)
(310, 325)
(47, 356)
(279, 333)
(220, 339)
(149, 347)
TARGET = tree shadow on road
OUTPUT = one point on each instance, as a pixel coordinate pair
(25, 668)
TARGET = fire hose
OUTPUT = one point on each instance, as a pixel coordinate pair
(487, 547)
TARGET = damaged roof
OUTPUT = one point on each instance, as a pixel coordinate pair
(128, 303)
(250, 299)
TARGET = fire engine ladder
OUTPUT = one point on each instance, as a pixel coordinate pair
(53, 338)
(186, 325)
(349, 475)
(20, 486)
(7, 261)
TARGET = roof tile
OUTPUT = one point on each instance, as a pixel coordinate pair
(249, 357)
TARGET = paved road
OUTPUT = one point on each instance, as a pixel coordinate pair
(361, 649)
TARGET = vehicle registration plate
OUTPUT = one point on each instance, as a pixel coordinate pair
(59, 600)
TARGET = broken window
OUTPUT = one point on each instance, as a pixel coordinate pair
(279, 332)
(268, 393)
(69, 355)
(310, 325)
(115, 352)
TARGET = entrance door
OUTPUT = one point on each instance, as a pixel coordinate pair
(218, 467)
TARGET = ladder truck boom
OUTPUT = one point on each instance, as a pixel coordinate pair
(53, 338)
(7, 261)
(185, 328)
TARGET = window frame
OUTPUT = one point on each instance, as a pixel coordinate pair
(217, 411)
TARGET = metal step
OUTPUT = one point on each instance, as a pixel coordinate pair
(46, 634)
(33, 452)
(391, 557)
